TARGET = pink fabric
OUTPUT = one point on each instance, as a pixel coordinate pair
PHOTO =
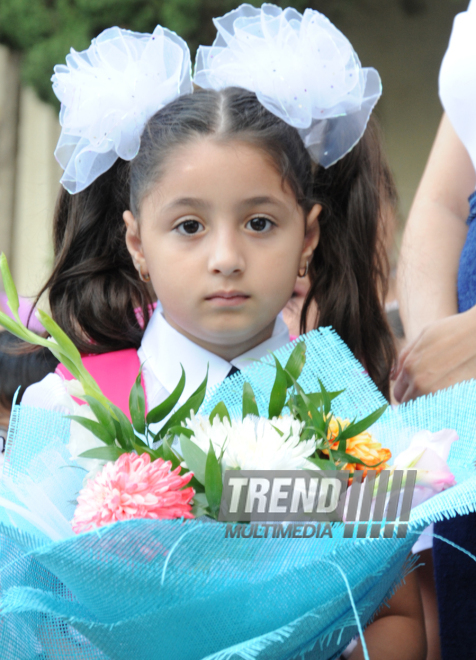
(24, 311)
(115, 374)
(292, 337)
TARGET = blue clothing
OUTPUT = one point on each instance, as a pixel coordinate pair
(455, 572)
(467, 263)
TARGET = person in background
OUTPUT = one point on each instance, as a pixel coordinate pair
(18, 368)
(437, 292)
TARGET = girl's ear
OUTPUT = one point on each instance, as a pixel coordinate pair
(134, 242)
(311, 239)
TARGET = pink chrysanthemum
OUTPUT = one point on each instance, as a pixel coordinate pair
(133, 487)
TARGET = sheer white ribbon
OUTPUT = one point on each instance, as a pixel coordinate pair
(109, 92)
(302, 69)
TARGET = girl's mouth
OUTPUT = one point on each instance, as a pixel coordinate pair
(227, 298)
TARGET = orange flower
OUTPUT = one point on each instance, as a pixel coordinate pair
(362, 446)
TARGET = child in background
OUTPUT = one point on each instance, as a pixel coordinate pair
(219, 199)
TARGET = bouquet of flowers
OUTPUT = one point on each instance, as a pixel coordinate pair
(125, 562)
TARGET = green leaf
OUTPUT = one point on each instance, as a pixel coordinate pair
(193, 403)
(200, 505)
(102, 413)
(12, 326)
(295, 363)
(9, 285)
(317, 400)
(64, 342)
(213, 481)
(326, 401)
(194, 457)
(158, 413)
(277, 398)
(124, 431)
(110, 453)
(309, 413)
(362, 425)
(344, 457)
(322, 463)
(220, 411)
(170, 455)
(137, 405)
(250, 406)
(97, 429)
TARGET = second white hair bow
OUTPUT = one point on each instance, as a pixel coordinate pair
(301, 68)
(109, 92)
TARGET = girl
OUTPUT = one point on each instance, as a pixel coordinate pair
(219, 209)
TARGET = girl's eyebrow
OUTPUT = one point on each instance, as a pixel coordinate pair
(257, 201)
(188, 201)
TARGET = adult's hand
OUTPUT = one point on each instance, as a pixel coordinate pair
(443, 354)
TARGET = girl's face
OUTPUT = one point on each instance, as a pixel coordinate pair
(222, 239)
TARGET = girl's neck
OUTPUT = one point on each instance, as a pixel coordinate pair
(226, 351)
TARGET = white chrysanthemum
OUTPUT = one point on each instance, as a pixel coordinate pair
(254, 443)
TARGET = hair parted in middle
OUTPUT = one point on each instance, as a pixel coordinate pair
(94, 287)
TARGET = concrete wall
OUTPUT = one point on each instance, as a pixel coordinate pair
(407, 51)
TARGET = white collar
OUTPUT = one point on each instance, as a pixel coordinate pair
(164, 349)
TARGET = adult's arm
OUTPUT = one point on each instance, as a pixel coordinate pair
(434, 235)
(441, 347)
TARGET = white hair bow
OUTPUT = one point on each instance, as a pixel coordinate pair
(109, 92)
(301, 68)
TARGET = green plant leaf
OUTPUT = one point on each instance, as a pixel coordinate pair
(9, 285)
(200, 505)
(124, 431)
(277, 398)
(362, 425)
(64, 342)
(213, 481)
(317, 400)
(193, 403)
(110, 453)
(250, 406)
(170, 455)
(102, 413)
(12, 326)
(194, 457)
(322, 463)
(137, 404)
(326, 401)
(344, 457)
(97, 429)
(220, 411)
(295, 363)
(158, 413)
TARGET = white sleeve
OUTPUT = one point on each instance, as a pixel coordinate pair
(49, 393)
(457, 81)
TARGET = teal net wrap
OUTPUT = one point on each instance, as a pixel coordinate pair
(147, 589)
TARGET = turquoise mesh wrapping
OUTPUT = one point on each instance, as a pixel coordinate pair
(148, 589)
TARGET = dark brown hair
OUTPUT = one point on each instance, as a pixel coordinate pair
(20, 367)
(94, 287)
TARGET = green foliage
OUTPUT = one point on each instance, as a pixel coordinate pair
(44, 31)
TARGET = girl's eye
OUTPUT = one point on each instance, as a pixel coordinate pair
(260, 224)
(189, 227)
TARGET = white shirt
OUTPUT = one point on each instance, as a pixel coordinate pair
(457, 82)
(163, 349)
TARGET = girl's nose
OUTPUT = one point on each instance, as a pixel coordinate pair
(226, 256)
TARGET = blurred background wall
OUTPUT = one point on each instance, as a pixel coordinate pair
(404, 39)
